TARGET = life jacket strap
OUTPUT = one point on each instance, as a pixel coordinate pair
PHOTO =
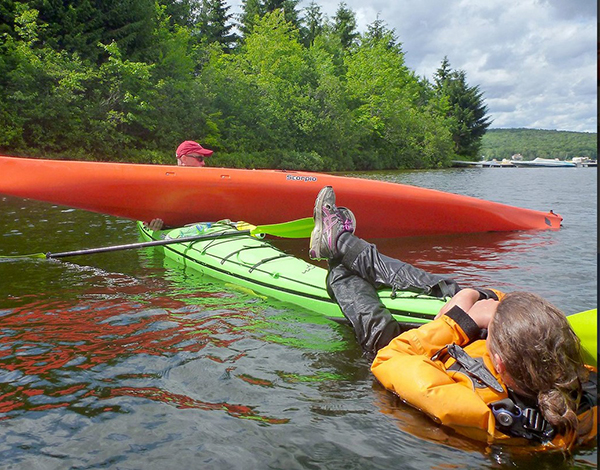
(475, 368)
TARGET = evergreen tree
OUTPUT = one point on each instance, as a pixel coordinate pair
(467, 113)
(287, 6)
(344, 25)
(78, 26)
(442, 75)
(180, 12)
(213, 23)
(7, 17)
(379, 31)
(252, 10)
(313, 23)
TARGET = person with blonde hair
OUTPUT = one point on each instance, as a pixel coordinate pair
(491, 366)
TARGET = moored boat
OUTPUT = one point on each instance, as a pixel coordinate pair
(584, 162)
(544, 162)
(505, 163)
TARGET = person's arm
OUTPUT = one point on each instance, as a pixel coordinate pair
(455, 326)
(464, 298)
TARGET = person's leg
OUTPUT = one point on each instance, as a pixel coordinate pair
(365, 260)
(374, 326)
(356, 268)
(333, 239)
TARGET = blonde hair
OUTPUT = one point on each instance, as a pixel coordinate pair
(542, 355)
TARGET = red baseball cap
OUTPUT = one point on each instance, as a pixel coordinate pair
(189, 146)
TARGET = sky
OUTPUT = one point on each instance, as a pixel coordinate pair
(535, 61)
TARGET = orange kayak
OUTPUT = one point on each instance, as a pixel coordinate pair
(183, 195)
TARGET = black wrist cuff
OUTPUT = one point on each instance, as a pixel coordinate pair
(485, 294)
(466, 323)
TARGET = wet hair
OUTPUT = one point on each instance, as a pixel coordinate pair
(542, 355)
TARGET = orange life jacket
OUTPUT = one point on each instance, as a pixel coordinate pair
(412, 367)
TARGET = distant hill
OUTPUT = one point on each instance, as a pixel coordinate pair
(532, 143)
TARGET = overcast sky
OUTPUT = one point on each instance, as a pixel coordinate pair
(534, 60)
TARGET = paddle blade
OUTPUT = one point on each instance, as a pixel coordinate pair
(32, 255)
(585, 325)
(300, 228)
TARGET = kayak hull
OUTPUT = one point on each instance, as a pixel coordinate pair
(257, 265)
(184, 195)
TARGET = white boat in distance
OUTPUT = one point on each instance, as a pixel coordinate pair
(544, 162)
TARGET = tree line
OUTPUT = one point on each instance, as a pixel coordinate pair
(272, 87)
(534, 143)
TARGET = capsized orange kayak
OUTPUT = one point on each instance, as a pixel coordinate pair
(183, 195)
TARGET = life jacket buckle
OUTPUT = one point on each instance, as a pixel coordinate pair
(506, 413)
(521, 422)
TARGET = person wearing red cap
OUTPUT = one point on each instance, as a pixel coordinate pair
(190, 153)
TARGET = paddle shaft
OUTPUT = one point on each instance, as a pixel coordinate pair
(130, 246)
(294, 229)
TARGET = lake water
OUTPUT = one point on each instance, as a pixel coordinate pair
(123, 360)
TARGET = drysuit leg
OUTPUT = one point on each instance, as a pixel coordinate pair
(352, 282)
(373, 324)
(365, 260)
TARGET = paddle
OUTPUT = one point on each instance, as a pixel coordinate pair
(292, 229)
(300, 228)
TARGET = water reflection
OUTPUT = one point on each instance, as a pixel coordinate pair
(472, 259)
(61, 354)
(78, 353)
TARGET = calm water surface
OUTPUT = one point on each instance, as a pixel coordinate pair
(123, 360)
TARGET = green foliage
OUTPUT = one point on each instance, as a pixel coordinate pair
(385, 101)
(43, 90)
(533, 143)
(129, 80)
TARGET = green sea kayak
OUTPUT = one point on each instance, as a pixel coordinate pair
(255, 264)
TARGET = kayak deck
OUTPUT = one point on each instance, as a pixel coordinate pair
(255, 264)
